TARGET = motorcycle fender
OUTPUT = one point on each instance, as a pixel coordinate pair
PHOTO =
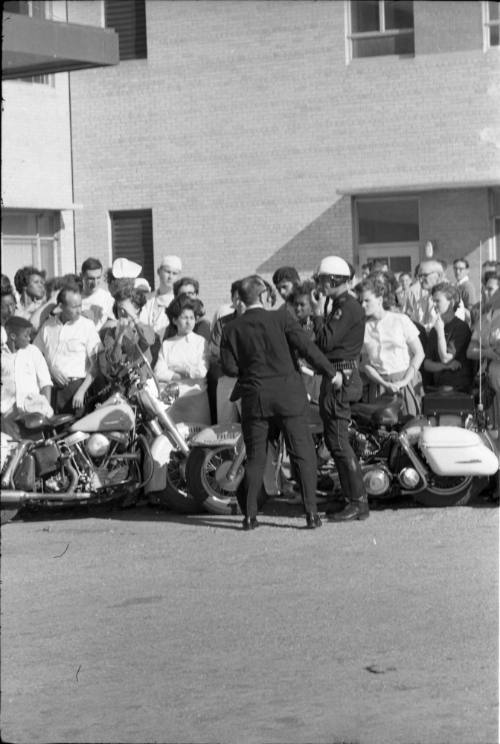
(226, 435)
(161, 449)
(451, 451)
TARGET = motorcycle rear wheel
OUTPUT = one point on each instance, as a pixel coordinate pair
(201, 471)
(451, 491)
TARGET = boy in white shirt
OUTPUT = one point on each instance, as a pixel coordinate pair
(26, 381)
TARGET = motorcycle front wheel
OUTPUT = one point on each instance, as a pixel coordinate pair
(203, 473)
(451, 491)
(176, 496)
(7, 515)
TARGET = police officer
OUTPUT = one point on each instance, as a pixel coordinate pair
(339, 326)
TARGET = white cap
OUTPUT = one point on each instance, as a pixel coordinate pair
(335, 266)
(173, 262)
(124, 269)
(142, 283)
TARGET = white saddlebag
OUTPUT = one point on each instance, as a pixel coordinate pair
(451, 450)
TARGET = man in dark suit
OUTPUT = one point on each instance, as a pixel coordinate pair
(257, 348)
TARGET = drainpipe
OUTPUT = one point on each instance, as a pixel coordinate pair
(71, 158)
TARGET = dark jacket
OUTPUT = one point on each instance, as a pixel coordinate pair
(341, 333)
(257, 347)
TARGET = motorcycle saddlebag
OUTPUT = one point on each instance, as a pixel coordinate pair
(451, 450)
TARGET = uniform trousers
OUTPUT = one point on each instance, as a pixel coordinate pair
(300, 447)
(335, 410)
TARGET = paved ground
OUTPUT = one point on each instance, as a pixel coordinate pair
(141, 626)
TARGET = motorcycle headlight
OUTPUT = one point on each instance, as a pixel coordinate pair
(97, 445)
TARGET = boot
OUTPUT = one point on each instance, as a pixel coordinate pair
(354, 510)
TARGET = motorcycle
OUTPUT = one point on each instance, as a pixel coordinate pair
(442, 458)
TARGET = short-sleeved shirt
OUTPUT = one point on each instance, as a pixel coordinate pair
(190, 350)
(457, 335)
(70, 348)
(385, 346)
(153, 313)
(98, 307)
(24, 372)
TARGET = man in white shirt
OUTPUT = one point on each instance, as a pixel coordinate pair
(153, 313)
(26, 383)
(70, 344)
(97, 302)
(420, 305)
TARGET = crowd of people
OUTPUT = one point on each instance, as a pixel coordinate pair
(62, 339)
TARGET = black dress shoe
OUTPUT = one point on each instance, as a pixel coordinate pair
(250, 524)
(356, 510)
(313, 521)
(334, 507)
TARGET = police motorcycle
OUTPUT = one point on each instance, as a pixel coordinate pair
(127, 446)
(442, 458)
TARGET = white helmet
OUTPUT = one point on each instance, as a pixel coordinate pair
(334, 266)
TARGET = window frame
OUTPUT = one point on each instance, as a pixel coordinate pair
(387, 198)
(487, 24)
(382, 32)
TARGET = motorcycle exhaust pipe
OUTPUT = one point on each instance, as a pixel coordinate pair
(11, 497)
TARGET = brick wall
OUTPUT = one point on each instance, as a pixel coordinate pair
(245, 120)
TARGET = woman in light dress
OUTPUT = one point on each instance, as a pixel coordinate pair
(184, 359)
(392, 354)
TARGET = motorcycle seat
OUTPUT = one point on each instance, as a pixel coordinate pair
(384, 412)
(39, 422)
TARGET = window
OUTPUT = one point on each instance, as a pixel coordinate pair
(132, 238)
(387, 229)
(491, 21)
(381, 27)
(388, 220)
(128, 18)
(30, 239)
(34, 9)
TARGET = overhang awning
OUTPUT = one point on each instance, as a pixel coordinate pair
(361, 189)
(32, 46)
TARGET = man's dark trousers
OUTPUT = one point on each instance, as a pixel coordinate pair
(300, 447)
(335, 410)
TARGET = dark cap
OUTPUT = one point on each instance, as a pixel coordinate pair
(15, 323)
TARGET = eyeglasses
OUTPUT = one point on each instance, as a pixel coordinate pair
(460, 268)
(423, 275)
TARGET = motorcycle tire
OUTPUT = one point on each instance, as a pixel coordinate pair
(451, 491)
(201, 468)
(7, 515)
(176, 496)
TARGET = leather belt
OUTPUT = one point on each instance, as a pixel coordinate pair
(340, 365)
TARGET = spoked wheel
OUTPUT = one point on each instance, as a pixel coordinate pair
(176, 496)
(206, 474)
(451, 491)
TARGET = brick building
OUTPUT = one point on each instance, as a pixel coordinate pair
(247, 135)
